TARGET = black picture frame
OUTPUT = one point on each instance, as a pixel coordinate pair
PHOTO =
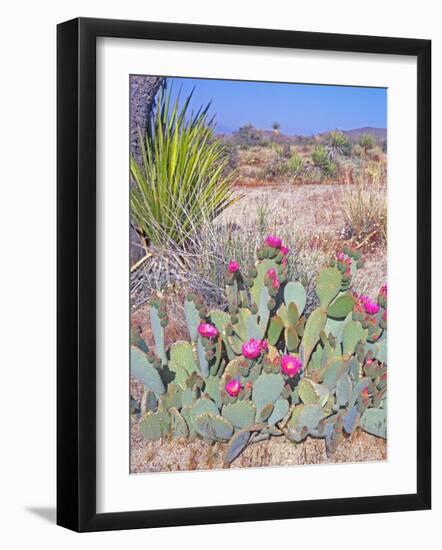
(76, 274)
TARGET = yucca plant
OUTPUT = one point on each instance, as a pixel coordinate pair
(182, 182)
(338, 144)
(367, 141)
(322, 162)
(295, 165)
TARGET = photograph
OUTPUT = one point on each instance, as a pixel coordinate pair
(258, 274)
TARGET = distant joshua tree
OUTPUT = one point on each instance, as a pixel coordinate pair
(276, 126)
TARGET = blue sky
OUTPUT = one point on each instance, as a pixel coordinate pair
(303, 109)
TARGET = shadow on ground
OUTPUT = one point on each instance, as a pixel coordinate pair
(46, 513)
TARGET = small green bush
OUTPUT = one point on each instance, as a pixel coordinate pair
(322, 162)
(367, 141)
(296, 165)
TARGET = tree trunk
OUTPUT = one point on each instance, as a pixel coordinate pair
(142, 99)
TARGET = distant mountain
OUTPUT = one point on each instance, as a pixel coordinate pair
(354, 134)
(378, 133)
(222, 129)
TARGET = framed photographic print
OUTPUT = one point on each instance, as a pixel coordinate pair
(238, 210)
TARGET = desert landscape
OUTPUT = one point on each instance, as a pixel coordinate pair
(312, 209)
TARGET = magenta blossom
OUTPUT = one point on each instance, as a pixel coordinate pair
(370, 307)
(233, 387)
(252, 349)
(274, 242)
(284, 250)
(383, 290)
(263, 345)
(340, 256)
(291, 365)
(272, 275)
(233, 266)
(207, 331)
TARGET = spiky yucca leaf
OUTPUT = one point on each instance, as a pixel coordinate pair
(181, 183)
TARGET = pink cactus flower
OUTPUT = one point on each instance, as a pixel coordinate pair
(207, 330)
(274, 242)
(383, 290)
(340, 256)
(272, 275)
(284, 250)
(264, 345)
(291, 365)
(365, 393)
(370, 307)
(252, 349)
(275, 284)
(233, 387)
(233, 266)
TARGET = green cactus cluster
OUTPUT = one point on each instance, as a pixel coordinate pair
(264, 368)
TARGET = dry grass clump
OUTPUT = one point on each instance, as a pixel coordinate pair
(364, 206)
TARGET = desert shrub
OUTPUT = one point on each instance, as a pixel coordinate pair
(338, 144)
(263, 366)
(248, 136)
(283, 150)
(295, 165)
(322, 162)
(364, 205)
(367, 141)
(182, 181)
(231, 153)
(275, 169)
(357, 150)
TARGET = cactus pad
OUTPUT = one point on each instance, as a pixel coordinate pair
(213, 427)
(341, 306)
(294, 292)
(315, 324)
(241, 413)
(267, 389)
(374, 421)
(236, 445)
(145, 372)
(328, 285)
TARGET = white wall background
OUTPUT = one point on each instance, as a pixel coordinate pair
(27, 252)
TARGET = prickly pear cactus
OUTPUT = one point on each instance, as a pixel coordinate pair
(263, 367)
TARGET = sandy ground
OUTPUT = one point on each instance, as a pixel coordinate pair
(314, 209)
(196, 454)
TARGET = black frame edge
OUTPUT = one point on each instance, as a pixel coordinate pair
(76, 274)
(424, 273)
(67, 267)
